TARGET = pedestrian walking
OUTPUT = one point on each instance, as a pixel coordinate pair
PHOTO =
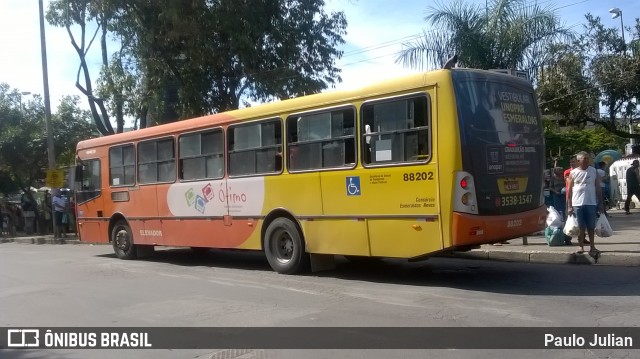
(633, 184)
(59, 203)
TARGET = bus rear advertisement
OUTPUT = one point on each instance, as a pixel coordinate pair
(408, 168)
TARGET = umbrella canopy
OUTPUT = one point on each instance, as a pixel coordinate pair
(608, 156)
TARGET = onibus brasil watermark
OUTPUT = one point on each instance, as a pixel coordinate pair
(38, 338)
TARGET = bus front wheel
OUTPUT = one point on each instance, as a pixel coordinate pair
(122, 241)
(284, 247)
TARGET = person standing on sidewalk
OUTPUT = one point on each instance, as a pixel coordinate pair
(584, 199)
(633, 184)
(59, 203)
(556, 184)
(604, 185)
(573, 163)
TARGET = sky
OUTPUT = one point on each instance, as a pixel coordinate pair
(375, 33)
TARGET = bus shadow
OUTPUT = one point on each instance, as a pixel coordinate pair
(464, 274)
(497, 277)
(214, 258)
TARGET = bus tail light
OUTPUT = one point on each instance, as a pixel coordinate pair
(464, 194)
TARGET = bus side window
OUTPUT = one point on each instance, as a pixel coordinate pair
(396, 131)
(320, 140)
(253, 148)
(201, 155)
(90, 187)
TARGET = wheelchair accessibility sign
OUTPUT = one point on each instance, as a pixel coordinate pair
(353, 186)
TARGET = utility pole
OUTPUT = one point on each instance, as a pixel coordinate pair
(47, 102)
(47, 105)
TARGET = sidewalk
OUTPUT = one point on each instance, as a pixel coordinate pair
(622, 249)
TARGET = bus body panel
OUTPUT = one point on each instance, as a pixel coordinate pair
(473, 230)
(446, 152)
(330, 235)
(403, 206)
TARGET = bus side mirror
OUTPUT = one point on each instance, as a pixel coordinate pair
(78, 174)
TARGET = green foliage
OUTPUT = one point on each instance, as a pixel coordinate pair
(509, 34)
(189, 58)
(23, 138)
(70, 125)
(569, 142)
(558, 84)
(591, 75)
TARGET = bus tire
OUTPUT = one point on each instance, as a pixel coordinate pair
(122, 241)
(285, 248)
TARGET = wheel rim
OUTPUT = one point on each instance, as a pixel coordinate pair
(282, 246)
(123, 240)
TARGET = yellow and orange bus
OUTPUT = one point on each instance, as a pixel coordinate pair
(444, 160)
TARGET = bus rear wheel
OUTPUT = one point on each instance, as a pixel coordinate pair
(122, 241)
(284, 247)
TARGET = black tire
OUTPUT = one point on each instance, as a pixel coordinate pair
(122, 241)
(285, 248)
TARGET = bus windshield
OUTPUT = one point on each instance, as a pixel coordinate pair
(502, 140)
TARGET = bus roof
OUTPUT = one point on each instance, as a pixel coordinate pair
(276, 108)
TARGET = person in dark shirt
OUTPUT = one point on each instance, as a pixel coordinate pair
(633, 184)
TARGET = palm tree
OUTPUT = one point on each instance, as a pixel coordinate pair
(507, 34)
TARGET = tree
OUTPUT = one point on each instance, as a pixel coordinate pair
(568, 142)
(615, 73)
(181, 59)
(66, 13)
(23, 138)
(592, 74)
(508, 34)
(564, 90)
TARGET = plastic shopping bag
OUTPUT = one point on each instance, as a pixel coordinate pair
(553, 218)
(603, 228)
(571, 227)
(554, 236)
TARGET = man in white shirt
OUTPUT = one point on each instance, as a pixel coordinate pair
(584, 199)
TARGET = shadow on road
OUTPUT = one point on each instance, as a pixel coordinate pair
(500, 277)
(472, 275)
(218, 258)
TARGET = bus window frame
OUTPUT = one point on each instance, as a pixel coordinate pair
(135, 164)
(228, 152)
(224, 154)
(175, 172)
(318, 111)
(99, 190)
(429, 126)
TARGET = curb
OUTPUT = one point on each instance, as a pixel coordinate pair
(604, 258)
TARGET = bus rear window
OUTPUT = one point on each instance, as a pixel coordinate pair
(497, 113)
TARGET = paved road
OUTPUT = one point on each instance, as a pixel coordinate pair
(82, 285)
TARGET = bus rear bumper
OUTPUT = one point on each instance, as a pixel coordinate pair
(471, 229)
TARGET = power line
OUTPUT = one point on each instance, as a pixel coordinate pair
(586, 89)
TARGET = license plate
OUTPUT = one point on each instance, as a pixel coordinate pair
(511, 185)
